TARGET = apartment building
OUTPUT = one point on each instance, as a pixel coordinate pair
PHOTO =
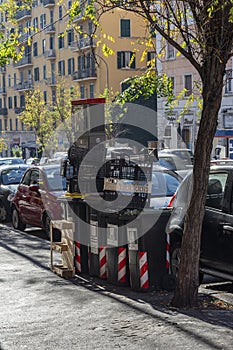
(76, 56)
(180, 129)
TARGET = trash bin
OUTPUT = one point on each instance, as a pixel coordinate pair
(147, 252)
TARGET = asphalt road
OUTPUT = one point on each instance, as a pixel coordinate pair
(40, 310)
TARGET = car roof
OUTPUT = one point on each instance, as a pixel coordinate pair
(13, 166)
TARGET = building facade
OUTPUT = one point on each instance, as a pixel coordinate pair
(71, 52)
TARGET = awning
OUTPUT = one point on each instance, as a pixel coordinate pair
(224, 133)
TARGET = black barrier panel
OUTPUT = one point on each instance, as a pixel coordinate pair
(147, 253)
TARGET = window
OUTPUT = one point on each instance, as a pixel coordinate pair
(92, 90)
(35, 49)
(15, 79)
(42, 21)
(35, 24)
(5, 124)
(43, 45)
(173, 83)
(61, 67)
(70, 36)
(61, 42)
(215, 190)
(82, 91)
(10, 102)
(125, 28)
(44, 72)
(15, 101)
(36, 74)
(45, 96)
(9, 80)
(70, 65)
(188, 84)
(0, 124)
(16, 124)
(228, 77)
(60, 12)
(170, 51)
(22, 126)
(125, 59)
(11, 128)
(51, 14)
(151, 58)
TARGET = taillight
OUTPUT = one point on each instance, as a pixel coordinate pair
(170, 204)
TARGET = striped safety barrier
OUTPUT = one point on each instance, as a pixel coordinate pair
(121, 264)
(143, 270)
(103, 262)
(77, 257)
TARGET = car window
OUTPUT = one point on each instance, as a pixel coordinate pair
(55, 181)
(26, 178)
(11, 176)
(215, 190)
(34, 177)
(164, 184)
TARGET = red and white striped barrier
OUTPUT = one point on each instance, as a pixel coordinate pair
(77, 257)
(143, 270)
(121, 264)
(103, 262)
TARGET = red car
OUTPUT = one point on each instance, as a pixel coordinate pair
(35, 202)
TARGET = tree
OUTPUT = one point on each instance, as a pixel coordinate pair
(202, 32)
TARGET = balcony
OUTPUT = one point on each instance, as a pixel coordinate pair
(81, 44)
(88, 73)
(51, 81)
(3, 69)
(50, 54)
(23, 14)
(3, 111)
(23, 62)
(2, 90)
(24, 37)
(23, 86)
(49, 3)
(19, 110)
(50, 29)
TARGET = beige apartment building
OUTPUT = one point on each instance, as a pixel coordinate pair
(180, 129)
(58, 51)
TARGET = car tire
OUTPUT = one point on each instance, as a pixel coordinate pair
(16, 221)
(3, 213)
(175, 258)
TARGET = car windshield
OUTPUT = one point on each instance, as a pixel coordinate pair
(11, 161)
(11, 176)
(55, 181)
(164, 184)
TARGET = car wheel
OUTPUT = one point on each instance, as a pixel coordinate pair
(16, 221)
(175, 258)
(3, 213)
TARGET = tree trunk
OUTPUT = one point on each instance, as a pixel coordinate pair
(188, 275)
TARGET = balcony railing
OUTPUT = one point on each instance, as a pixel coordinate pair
(82, 43)
(24, 85)
(50, 54)
(19, 110)
(48, 3)
(23, 37)
(49, 29)
(3, 111)
(84, 74)
(25, 13)
(51, 81)
(24, 61)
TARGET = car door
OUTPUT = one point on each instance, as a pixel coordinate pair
(212, 228)
(35, 200)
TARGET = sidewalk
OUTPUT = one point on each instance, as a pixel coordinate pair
(40, 310)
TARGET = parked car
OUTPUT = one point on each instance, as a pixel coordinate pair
(216, 256)
(32, 161)
(175, 163)
(11, 160)
(183, 153)
(35, 201)
(10, 176)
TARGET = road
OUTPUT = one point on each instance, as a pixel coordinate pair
(40, 310)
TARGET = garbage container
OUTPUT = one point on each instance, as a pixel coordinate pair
(147, 250)
(75, 210)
